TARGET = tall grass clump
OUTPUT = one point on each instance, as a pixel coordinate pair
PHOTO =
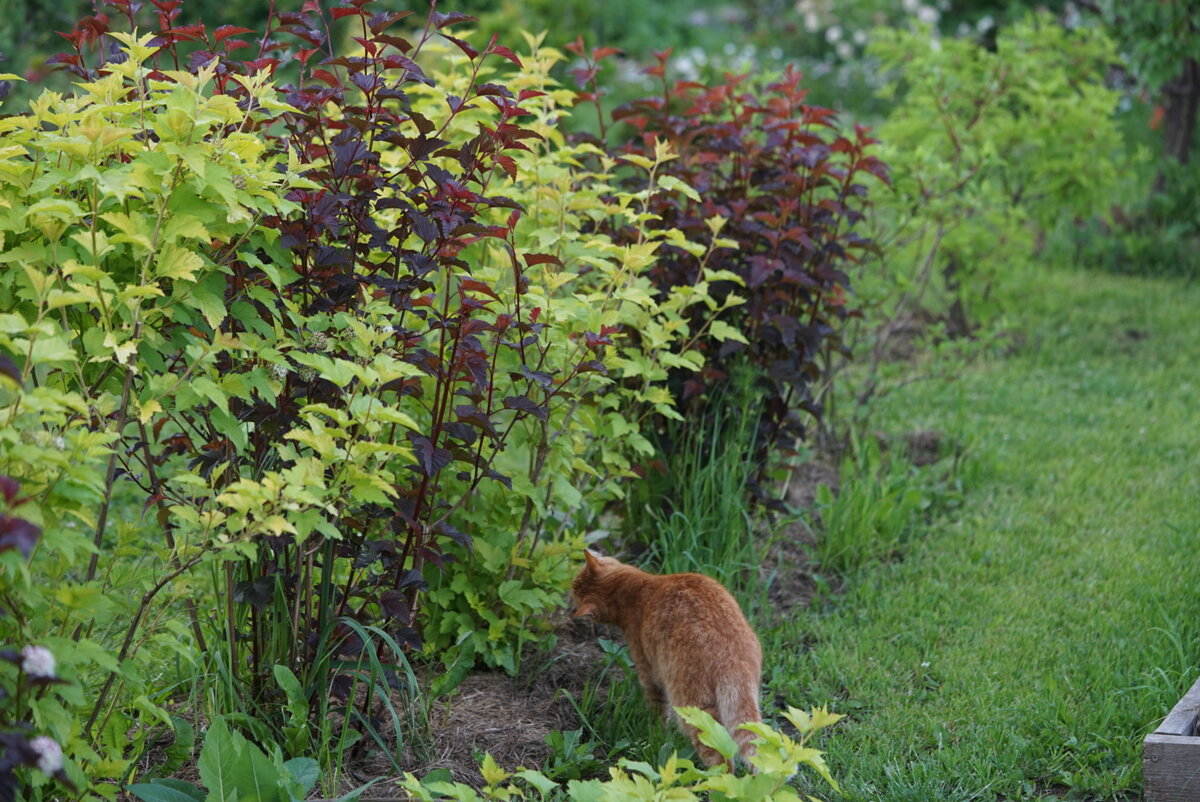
(695, 511)
(614, 713)
(873, 513)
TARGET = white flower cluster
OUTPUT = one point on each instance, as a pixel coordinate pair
(37, 661)
(50, 756)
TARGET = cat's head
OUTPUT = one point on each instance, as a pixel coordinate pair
(593, 596)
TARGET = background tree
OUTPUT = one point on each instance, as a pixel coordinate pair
(1161, 41)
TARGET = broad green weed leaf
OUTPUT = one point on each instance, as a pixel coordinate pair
(586, 791)
(220, 760)
(538, 780)
(161, 791)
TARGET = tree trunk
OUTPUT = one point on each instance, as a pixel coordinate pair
(1180, 99)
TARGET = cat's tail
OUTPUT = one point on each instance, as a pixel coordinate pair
(736, 708)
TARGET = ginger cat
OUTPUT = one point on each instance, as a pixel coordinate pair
(688, 638)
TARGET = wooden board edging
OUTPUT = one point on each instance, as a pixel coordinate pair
(1171, 754)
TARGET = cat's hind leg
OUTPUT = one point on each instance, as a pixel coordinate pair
(655, 698)
(708, 756)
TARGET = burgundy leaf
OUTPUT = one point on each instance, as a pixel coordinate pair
(469, 414)
(538, 377)
(446, 529)
(9, 487)
(475, 285)
(17, 533)
(430, 460)
(591, 366)
(9, 368)
(532, 259)
(466, 48)
(499, 477)
(393, 604)
(504, 52)
(225, 31)
(441, 20)
(524, 404)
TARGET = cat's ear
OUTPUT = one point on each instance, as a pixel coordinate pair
(594, 560)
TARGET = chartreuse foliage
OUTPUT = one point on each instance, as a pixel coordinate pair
(328, 334)
(776, 764)
(347, 318)
(569, 462)
(111, 299)
(988, 147)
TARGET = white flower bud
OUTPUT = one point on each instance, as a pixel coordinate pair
(37, 661)
(50, 756)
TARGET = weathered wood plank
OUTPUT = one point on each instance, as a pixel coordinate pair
(1171, 768)
(1171, 754)
(1183, 717)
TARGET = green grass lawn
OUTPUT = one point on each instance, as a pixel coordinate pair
(1032, 634)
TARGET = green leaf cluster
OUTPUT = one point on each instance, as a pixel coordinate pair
(233, 769)
(111, 294)
(989, 148)
(1155, 38)
(776, 763)
(567, 466)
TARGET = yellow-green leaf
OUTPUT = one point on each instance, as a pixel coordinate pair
(722, 331)
(148, 410)
(176, 262)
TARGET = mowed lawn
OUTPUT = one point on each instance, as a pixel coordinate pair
(1033, 633)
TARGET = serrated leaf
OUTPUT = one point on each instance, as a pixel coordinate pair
(148, 410)
(177, 262)
(209, 297)
(711, 733)
(821, 717)
(538, 780)
(722, 331)
(638, 159)
(671, 183)
(493, 775)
